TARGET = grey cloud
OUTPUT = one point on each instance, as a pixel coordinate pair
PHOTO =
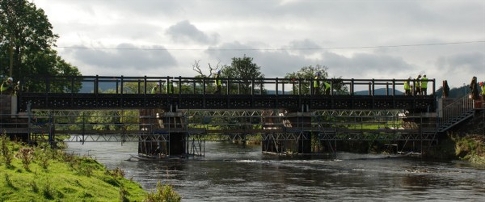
(304, 46)
(125, 57)
(364, 64)
(129, 7)
(273, 63)
(184, 31)
(472, 62)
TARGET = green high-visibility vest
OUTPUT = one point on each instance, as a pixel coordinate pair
(316, 84)
(424, 82)
(483, 90)
(218, 81)
(407, 86)
(5, 86)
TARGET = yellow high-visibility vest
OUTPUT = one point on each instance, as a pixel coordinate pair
(424, 82)
(407, 86)
(316, 84)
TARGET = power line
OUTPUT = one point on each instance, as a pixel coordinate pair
(270, 49)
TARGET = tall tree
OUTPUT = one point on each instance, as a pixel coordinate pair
(242, 74)
(26, 41)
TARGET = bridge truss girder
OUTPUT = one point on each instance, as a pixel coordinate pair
(220, 117)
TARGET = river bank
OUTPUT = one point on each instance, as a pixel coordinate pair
(465, 142)
(41, 173)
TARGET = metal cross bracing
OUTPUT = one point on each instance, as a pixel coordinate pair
(195, 144)
(329, 124)
(359, 113)
(390, 135)
(117, 137)
(283, 136)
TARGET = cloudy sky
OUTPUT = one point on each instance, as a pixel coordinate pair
(444, 39)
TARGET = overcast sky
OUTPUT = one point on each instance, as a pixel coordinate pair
(444, 39)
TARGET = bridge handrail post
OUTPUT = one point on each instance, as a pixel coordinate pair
(276, 81)
(179, 86)
(194, 85)
(145, 85)
(387, 88)
(393, 87)
(121, 84)
(228, 83)
(96, 85)
(370, 88)
(203, 86)
(352, 86)
(252, 87)
(332, 81)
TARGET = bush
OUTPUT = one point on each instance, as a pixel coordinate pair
(163, 193)
(6, 152)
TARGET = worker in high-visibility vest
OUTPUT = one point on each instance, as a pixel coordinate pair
(7, 86)
(218, 82)
(424, 85)
(417, 85)
(316, 84)
(327, 87)
(407, 87)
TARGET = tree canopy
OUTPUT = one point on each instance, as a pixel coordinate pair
(243, 72)
(26, 46)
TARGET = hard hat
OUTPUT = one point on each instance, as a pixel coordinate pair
(481, 83)
(219, 71)
(10, 79)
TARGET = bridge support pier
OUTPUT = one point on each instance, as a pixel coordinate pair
(166, 133)
(287, 133)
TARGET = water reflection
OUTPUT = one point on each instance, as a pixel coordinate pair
(234, 173)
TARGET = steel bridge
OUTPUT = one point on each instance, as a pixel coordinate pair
(280, 109)
(106, 92)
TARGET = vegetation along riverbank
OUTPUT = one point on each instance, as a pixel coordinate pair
(43, 174)
(465, 142)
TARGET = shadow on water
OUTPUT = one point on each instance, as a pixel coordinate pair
(231, 172)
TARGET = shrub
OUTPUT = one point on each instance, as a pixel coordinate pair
(26, 155)
(163, 193)
(6, 152)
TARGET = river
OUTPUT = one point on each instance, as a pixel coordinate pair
(231, 172)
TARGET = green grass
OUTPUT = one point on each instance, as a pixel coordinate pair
(52, 175)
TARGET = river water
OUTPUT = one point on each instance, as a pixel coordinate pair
(231, 172)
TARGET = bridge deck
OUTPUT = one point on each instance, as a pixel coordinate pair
(197, 93)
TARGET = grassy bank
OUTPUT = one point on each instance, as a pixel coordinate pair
(460, 146)
(41, 173)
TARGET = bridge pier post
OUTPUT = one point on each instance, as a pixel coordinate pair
(287, 132)
(163, 133)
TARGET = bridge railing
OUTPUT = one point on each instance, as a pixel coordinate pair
(195, 85)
